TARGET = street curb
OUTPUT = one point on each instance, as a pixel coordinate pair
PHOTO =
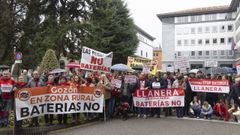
(204, 120)
(74, 127)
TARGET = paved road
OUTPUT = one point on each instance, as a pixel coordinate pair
(162, 126)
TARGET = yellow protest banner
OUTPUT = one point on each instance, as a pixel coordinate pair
(140, 63)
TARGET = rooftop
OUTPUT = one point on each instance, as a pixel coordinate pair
(203, 10)
(141, 31)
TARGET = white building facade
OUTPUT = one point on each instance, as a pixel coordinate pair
(201, 35)
(145, 45)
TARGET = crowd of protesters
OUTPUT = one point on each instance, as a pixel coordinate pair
(119, 100)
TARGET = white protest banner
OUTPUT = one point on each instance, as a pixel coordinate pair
(116, 83)
(211, 86)
(96, 61)
(130, 79)
(33, 102)
(172, 97)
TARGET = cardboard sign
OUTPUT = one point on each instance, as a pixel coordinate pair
(96, 61)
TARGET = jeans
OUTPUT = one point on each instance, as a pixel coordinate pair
(179, 111)
(112, 104)
(48, 118)
(34, 122)
(197, 112)
(155, 111)
(142, 111)
(62, 118)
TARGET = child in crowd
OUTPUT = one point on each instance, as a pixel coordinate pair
(206, 110)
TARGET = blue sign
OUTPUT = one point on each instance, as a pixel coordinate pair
(18, 56)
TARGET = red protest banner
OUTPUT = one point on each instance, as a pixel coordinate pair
(212, 86)
(172, 97)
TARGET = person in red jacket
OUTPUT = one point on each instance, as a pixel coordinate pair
(6, 88)
(220, 109)
(62, 118)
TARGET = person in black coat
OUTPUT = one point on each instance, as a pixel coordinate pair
(157, 83)
(168, 84)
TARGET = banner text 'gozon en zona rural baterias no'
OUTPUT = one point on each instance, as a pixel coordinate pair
(33, 102)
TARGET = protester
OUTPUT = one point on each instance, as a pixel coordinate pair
(19, 85)
(179, 83)
(235, 92)
(6, 90)
(34, 82)
(233, 110)
(188, 94)
(62, 118)
(168, 82)
(26, 76)
(195, 107)
(106, 85)
(49, 117)
(157, 82)
(76, 82)
(220, 109)
(142, 84)
(206, 110)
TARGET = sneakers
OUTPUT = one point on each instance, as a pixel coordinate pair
(139, 116)
(144, 116)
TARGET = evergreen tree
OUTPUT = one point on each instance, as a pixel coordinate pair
(49, 61)
(112, 29)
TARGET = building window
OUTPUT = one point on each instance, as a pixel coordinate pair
(207, 30)
(141, 52)
(185, 42)
(230, 27)
(199, 18)
(179, 42)
(199, 30)
(230, 53)
(207, 53)
(146, 54)
(222, 40)
(192, 30)
(230, 40)
(179, 54)
(214, 16)
(215, 53)
(192, 42)
(214, 29)
(222, 28)
(207, 41)
(207, 17)
(215, 41)
(192, 53)
(193, 19)
(200, 41)
(200, 53)
(222, 53)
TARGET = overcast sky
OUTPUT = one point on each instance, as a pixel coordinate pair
(144, 12)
